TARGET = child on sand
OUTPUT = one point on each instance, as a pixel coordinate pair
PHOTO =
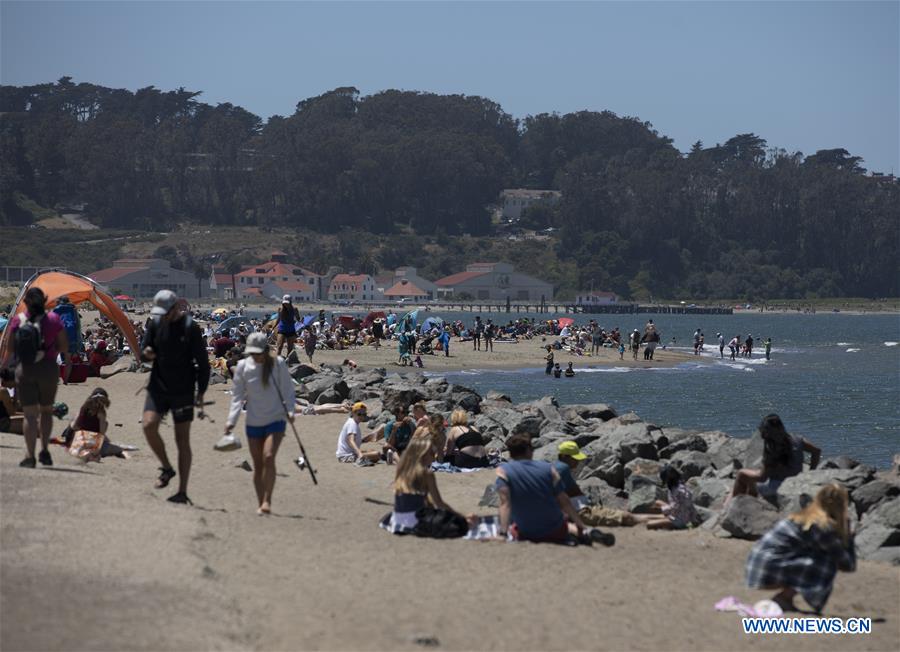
(621, 350)
(678, 512)
(86, 436)
(803, 552)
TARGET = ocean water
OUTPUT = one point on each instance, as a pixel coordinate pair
(834, 378)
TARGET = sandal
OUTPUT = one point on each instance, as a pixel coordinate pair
(165, 475)
(28, 463)
(181, 498)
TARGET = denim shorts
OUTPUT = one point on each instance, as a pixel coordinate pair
(261, 432)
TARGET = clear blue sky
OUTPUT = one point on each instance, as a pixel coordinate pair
(803, 75)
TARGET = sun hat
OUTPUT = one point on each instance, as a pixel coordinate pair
(257, 343)
(359, 407)
(163, 302)
(571, 449)
(286, 298)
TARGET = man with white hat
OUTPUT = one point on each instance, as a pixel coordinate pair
(174, 343)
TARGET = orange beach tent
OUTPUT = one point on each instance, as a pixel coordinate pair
(79, 289)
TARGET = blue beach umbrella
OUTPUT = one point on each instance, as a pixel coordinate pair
(3, 323)
(412, 318)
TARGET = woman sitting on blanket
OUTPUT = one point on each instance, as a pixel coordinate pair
(415, 489)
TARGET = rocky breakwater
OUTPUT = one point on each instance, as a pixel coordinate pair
(625, 453)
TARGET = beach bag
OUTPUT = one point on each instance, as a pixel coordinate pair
(29, 341)
(440, 524)
(86, 445)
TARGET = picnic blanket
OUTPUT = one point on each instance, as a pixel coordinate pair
(487, 527)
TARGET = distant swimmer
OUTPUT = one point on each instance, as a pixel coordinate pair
(768, 345)
(569, 371)
(721, 339)
(557, 372)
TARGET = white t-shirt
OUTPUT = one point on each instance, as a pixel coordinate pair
(350, 428)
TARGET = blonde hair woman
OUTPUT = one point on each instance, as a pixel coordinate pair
(803, 552)
(415, 490)
(465, 445)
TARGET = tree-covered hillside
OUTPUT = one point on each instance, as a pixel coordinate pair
(637, 216)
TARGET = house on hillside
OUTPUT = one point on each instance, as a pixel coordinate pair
(596, 299)
(516, 200)
(493, 282)
(353, 287)
(278, 277)
(144, 277)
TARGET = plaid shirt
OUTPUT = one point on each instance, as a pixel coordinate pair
(804, 560)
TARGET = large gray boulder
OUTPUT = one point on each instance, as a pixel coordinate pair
(725, 450)
(878, 536)
(301, 371)
(873, 493)
(748, 518)
(549, 437)
(588, 411)
(630, 441)
(546, 453)
(839, 462)
(315, 385)
(691, 463)
(606, 468)
(497, 396)
(401, 395)
(491, 430)
(643, 493)
(708, 492)
(646, 468)
(330, 395)
(465, 398)
(688, 443)
(795, 492)
(490, 497)
(513, 421)
(601, 494)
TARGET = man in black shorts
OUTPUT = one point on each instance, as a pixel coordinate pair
(477, 331)
(175, 346)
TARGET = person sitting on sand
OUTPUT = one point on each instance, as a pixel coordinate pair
(533, 505)
(416, 493)
(350, 439)
(397, 433)
(11, 419)
(678, 512)
(782, 458)
(91, 419)
(98, 359)
(568, 458)
(465, 445)
(569, 373)
(803, 552)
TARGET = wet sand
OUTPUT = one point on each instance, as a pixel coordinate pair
(94, 558)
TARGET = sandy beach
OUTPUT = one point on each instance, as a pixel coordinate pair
(95, 558)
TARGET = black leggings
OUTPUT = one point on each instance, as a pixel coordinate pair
(464, 461)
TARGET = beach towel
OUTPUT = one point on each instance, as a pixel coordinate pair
(447, 467)
(487, 527)
(762, 609)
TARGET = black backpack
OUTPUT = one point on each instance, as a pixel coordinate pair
(439, 524)
(29, 342)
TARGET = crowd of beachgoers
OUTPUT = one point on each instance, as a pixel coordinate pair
(538, 500)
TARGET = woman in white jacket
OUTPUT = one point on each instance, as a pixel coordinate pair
(264, 383)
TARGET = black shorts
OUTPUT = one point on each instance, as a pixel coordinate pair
(181, 407)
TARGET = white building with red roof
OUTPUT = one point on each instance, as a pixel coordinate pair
(493, 282)
(353, 287)
(277, 277)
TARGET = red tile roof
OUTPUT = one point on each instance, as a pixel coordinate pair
(109, 274)
(455, 279)
(275, 269)
(405, 289)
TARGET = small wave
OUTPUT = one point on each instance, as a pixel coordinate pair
(608, 370)
(890, 343)
(844, 343)
(852, 350)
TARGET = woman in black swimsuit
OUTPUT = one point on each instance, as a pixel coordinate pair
(465, 445)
